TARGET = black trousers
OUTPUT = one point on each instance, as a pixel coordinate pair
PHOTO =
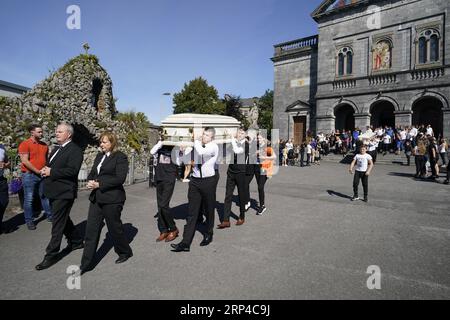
(203, 211)
(111, 214)
(164, 192)
(201, 190)
(433, 163)
(448, 171)
(261, 180)
(233, 180)
(421, 169)
(302, 158)
(4, 198)
(373, 154)
(61, 225)
(360, 175)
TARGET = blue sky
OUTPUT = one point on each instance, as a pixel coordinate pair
(154, 46)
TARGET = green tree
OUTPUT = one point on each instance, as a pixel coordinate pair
(138, 132)
(198, 97)
(265, 105)
(233, 106)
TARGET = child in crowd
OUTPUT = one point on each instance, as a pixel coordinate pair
(364, 166)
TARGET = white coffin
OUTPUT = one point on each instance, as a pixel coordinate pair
(179, 129)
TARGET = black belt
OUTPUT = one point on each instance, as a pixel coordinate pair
(202, 178)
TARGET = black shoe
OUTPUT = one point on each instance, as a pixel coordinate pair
(123, 258)
(446, 182)
(74, 246)
(207, 239)
(365, 199)
(180, 247)
(31, 225)
(50, 219)
(46, 263)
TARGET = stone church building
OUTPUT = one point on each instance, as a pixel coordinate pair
(374, 62)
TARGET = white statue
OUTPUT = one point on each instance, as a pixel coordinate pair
(253, 116)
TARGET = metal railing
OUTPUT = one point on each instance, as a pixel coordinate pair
(138, 171)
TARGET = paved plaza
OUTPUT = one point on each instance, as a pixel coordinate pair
(312, 243)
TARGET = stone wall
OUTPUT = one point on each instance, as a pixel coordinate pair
(79, 93)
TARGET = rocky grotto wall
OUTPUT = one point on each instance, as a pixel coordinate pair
(80, 93)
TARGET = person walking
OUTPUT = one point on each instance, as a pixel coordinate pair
(266, 156)
(107, 199)
(236, 178)
(4, 196)
(443, 150)
(363, 168)
(165, 178)
(33, 154)
(201, 190)
(60, 187)
(433, 158)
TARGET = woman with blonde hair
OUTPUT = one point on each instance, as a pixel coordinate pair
(107, 199)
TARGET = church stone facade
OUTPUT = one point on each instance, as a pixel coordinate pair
(374, 62)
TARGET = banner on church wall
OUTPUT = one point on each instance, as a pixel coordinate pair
(300, 82)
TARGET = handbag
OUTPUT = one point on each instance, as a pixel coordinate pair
(15, 185)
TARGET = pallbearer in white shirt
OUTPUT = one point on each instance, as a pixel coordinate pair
(202, 189)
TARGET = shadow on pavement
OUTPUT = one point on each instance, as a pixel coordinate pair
(338, 194)
(107, 245)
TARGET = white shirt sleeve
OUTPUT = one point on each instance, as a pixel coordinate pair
(237, 149)
(156, 148)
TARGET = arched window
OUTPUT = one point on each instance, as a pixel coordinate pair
(428, 46)
(349, 63)
(382, 55)
(345, 62)
(341, 64)
(422, 50)
(434, 48)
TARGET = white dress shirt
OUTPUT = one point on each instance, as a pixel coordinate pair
(53, 157)
(207, 156)
(101, 162)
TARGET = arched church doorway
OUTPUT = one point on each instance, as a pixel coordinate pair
(345, 117)
(382, 114)
(428, 111)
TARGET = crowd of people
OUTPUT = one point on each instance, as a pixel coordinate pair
(419, 142)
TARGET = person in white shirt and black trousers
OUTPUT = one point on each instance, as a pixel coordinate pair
(236, 177)
(107, 198)
(202, 190)
(167, 158)
(364, 166)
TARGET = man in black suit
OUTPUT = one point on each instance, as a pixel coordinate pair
(60, 187)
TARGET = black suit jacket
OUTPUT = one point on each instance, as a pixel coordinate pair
(63, 180)
(111, 178)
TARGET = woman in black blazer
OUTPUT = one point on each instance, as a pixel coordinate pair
(107, 199)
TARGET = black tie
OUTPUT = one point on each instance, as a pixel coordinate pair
(199, 165)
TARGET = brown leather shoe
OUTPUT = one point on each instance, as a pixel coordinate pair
(223, 225)
(162, 236)
(240, 222)
(172, 235)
